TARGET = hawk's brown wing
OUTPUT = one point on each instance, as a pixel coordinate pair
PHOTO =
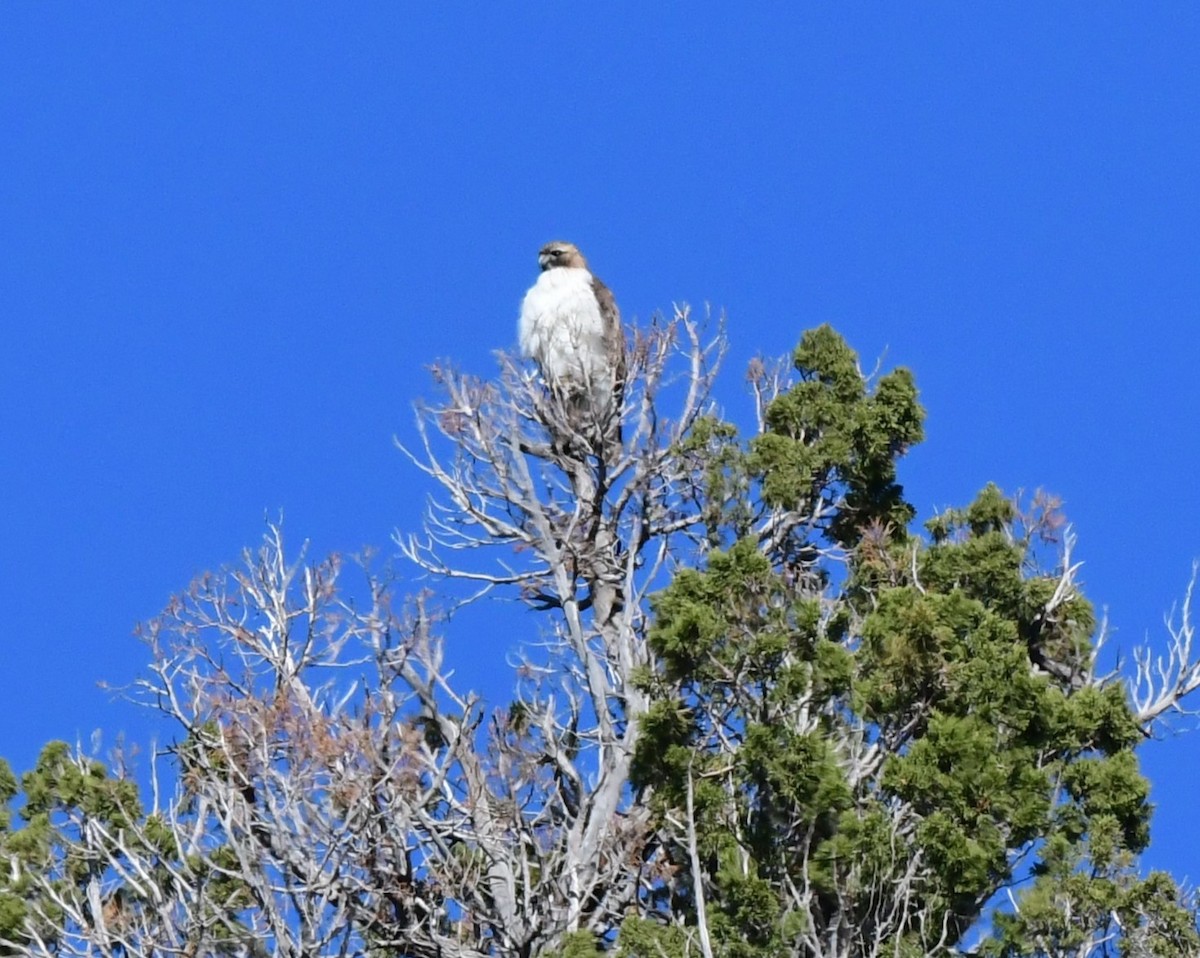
(614, 337)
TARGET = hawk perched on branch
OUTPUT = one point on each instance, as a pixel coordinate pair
(571, 328)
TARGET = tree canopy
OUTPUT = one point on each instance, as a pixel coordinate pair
(770, 711)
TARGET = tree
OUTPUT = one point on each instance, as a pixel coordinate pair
(764, 714)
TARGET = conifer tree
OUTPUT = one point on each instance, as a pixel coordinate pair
(861, 737)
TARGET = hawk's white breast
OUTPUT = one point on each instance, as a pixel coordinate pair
(561, 328)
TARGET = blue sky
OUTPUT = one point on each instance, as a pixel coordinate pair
(232, 236)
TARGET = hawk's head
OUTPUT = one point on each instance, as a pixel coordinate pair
(556, 254)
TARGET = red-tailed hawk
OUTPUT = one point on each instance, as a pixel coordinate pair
(571, 328)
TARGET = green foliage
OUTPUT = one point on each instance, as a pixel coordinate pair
(641, 938)
(59, 795)
(930, 721)
(1085, 894)
(721, 499)
(702, 610)
(12, 893)
(830, 439)
(47, 857)
(579, 944)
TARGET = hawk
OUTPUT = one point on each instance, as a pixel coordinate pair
(571, 328)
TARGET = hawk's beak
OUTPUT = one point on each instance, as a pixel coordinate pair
(544, 261)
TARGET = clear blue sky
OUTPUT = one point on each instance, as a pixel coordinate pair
(233, 235)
